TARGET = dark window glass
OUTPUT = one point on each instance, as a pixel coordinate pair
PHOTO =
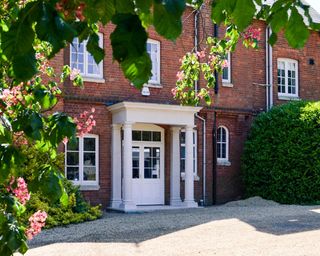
(73, 146)
(156, 136)
(73, 173)
(136, 135)
(146, 135)
(72, 158)
(89, 144)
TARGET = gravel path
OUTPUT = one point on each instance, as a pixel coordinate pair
(248, 227)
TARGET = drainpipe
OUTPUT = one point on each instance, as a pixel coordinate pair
(269, 77)
(214, 158)
(204, 141)
(215, 35)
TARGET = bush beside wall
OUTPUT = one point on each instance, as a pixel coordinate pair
(281, 158)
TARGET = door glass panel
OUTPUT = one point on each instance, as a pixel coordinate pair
(135, 162)
(146, 135)
(151, 162)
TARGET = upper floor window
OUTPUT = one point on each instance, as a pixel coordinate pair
(183, 152)
(287, 77)
(81, 59)
(222, 144)
(226, 72)
(81, 160)
(153, 49)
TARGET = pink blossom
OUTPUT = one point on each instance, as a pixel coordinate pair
(85, 122)
(65, 140)
(180, 75)
(174, 91)
(21, 191)
(224, 64)
(36, 222)
(201, 54)
(74, 73)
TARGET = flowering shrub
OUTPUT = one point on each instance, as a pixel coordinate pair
(206, 62)
(21, 191)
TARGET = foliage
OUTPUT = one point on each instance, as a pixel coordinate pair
(281, 156)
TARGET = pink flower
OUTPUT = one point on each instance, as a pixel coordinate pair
(224, 64)
(21, 191)
(201, 54)
(180, 75)
(65, 140)
(74, 73)
(174, 91)
(85, 122)
(36, 222)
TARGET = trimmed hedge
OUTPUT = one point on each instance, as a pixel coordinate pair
(281, 160)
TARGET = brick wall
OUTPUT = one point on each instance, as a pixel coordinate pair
(234, 107)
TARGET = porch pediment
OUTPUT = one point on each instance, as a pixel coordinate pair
(138, 112)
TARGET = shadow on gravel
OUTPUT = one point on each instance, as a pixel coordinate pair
(135, 228)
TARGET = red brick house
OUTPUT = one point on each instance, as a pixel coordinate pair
(146, 149)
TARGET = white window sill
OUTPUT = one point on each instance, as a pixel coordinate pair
(288, 97)
(89, 187)
(94, 80)
(227, 84)
(223, 162)
(151, 85)
(195, 176)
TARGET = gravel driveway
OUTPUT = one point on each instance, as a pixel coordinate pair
(248, 227)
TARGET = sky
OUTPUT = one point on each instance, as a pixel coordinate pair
(315, 4)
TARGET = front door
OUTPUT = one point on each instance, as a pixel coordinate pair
(148, 171)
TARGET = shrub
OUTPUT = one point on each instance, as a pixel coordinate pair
(281, 158)
(77, 210)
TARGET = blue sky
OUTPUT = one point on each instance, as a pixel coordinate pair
(315, 4)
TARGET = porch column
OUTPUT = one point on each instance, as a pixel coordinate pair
(175, 198)
(127, 203)
(116, 166)
(189, 183)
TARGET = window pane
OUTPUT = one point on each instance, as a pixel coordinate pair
(89, 173)
(135, 162)
(146, 135)
(136, 135)
(182, 165)
(72, 158)
(73, 173)
(182, 152)
(151, 162)
(73, 146)
(219, 150)
(156, 136)
(89, 159)
(89, 144)
(152, 50)
(182, 137)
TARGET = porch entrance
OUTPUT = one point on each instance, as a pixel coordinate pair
(148, 165)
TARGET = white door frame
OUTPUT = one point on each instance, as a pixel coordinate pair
(149, 191)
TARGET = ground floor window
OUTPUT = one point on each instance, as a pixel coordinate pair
(222, 144)
(183, 151)
(81, 160)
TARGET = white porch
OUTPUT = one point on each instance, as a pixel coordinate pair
(138, 166)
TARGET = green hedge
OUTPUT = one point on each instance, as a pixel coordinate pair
(281, 158)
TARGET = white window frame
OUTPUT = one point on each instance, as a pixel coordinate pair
(85, 184)
(156, 82)
(286, 62)
(227, 81)
(195, 150)
(225, 160)
(85, 74)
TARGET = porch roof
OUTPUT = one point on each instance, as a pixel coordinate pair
(139, 112)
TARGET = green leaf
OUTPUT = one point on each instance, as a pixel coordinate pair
(296, 31)
(243, 13)
(44, 97)
(167, 17)
(24, 66)
(124, 6)
(18, 40)
(99, 10)
(135, 69)
(5, 135)
(220, 8)
(279, 20)
(273, 39)
(94, 49)
(128, 42)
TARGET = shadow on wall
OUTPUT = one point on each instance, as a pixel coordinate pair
(269, 217)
